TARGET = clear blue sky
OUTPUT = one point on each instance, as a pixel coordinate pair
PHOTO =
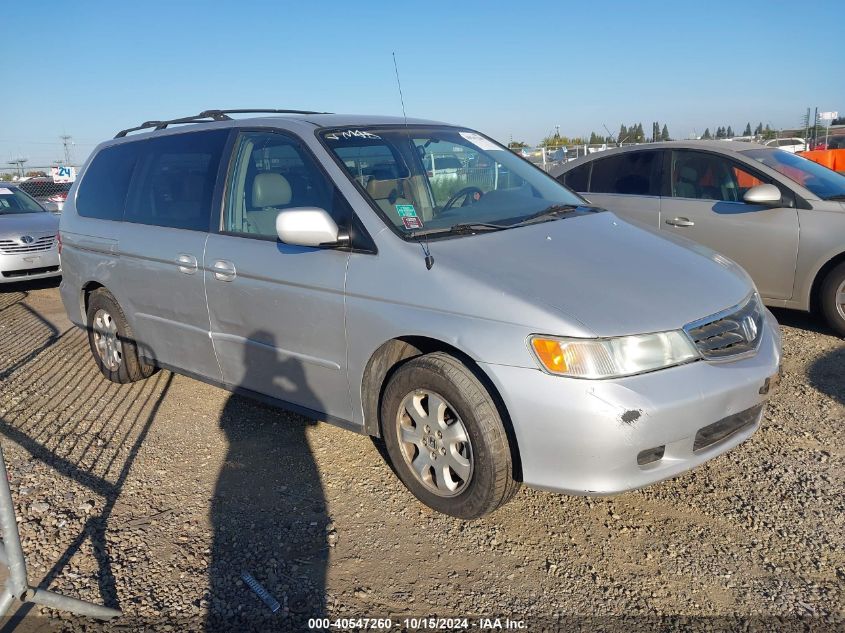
(507, 68)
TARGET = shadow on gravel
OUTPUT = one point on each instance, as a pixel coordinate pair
(269, 512)
(802, 320)
(826, 374)
(71, 420)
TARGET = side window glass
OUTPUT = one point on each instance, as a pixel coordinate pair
(272, 172)
(630, 173)
(102, 192)
(578, 178)
(744, 180)
(175, 182)
(702, 176)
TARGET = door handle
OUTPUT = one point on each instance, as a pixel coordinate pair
(187, 263)
(223, 270)
(680, 222)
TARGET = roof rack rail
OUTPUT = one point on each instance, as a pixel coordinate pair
(207, 116)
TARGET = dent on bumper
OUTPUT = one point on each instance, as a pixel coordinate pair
(583, 437)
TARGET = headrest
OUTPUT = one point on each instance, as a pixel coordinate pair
(270, 190)
(688, 174)
(380, 189)
(385, 171)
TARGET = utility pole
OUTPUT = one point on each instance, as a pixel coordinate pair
(815, 126)
(18, 163)
(807, 128)
(67, 144)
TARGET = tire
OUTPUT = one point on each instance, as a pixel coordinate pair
(468, 412)
(111, 341)
(832, 299)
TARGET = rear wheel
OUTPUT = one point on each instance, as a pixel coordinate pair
(833, 299)
(111, 341)
(445, 438)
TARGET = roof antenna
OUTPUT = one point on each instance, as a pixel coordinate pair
(399, 83)
(429, 258)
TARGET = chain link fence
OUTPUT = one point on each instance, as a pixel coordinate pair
(48, 185)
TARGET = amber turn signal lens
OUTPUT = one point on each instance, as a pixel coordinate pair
(550, 354)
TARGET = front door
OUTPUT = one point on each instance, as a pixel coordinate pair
(706, 205)
(162, 240)
(277, 311)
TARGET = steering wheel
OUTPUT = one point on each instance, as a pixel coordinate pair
(461, 193)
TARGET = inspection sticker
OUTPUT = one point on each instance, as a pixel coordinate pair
(406, 211)
(412, 223)
(5, 192)
(479, 141)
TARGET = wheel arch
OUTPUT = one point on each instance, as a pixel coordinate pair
(393, 353)
(815, 289)
(87, 290)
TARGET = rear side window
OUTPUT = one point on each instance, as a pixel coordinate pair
(175, 180)
(578, 178)
(631, 173)
(102, 192)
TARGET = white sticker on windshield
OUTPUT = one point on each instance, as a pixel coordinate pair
(5, 192)
(479, 141)
(347, 134)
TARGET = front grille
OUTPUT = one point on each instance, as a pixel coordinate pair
(724, 428)
(29, 272)
(13, 247)
(729, 333)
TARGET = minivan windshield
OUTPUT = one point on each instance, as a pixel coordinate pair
(825, 183)
(14, 201)
(442, 179)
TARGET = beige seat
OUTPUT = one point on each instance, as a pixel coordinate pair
(270, 192)
(386, 193)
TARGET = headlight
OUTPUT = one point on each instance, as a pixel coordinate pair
(612, 357)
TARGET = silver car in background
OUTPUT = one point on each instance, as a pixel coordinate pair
(28, 237)
(490, 326)
(778, 215)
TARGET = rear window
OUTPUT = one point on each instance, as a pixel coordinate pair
(175, 180)
(102, 192)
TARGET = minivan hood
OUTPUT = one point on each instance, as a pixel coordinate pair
(610, 276)
(16, 225)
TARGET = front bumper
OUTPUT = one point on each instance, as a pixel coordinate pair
(585, 436)
(27, 266)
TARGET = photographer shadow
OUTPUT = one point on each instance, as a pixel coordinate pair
(825, 374)
(268, 513)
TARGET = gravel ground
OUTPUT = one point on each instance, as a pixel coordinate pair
(156, 496)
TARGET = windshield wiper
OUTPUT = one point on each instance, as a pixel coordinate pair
(838, 196)
(462, 228)
(550, 212)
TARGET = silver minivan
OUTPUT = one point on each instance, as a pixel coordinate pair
(485, 322)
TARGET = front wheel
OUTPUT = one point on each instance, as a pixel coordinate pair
(445, 437)
(833, 299)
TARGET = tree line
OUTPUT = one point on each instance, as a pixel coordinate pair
(635, 133)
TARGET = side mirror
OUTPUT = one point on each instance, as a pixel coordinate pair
(763, 194)
(306, 226)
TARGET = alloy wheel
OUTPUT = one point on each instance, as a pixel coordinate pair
(106, 342)
(434, 442)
